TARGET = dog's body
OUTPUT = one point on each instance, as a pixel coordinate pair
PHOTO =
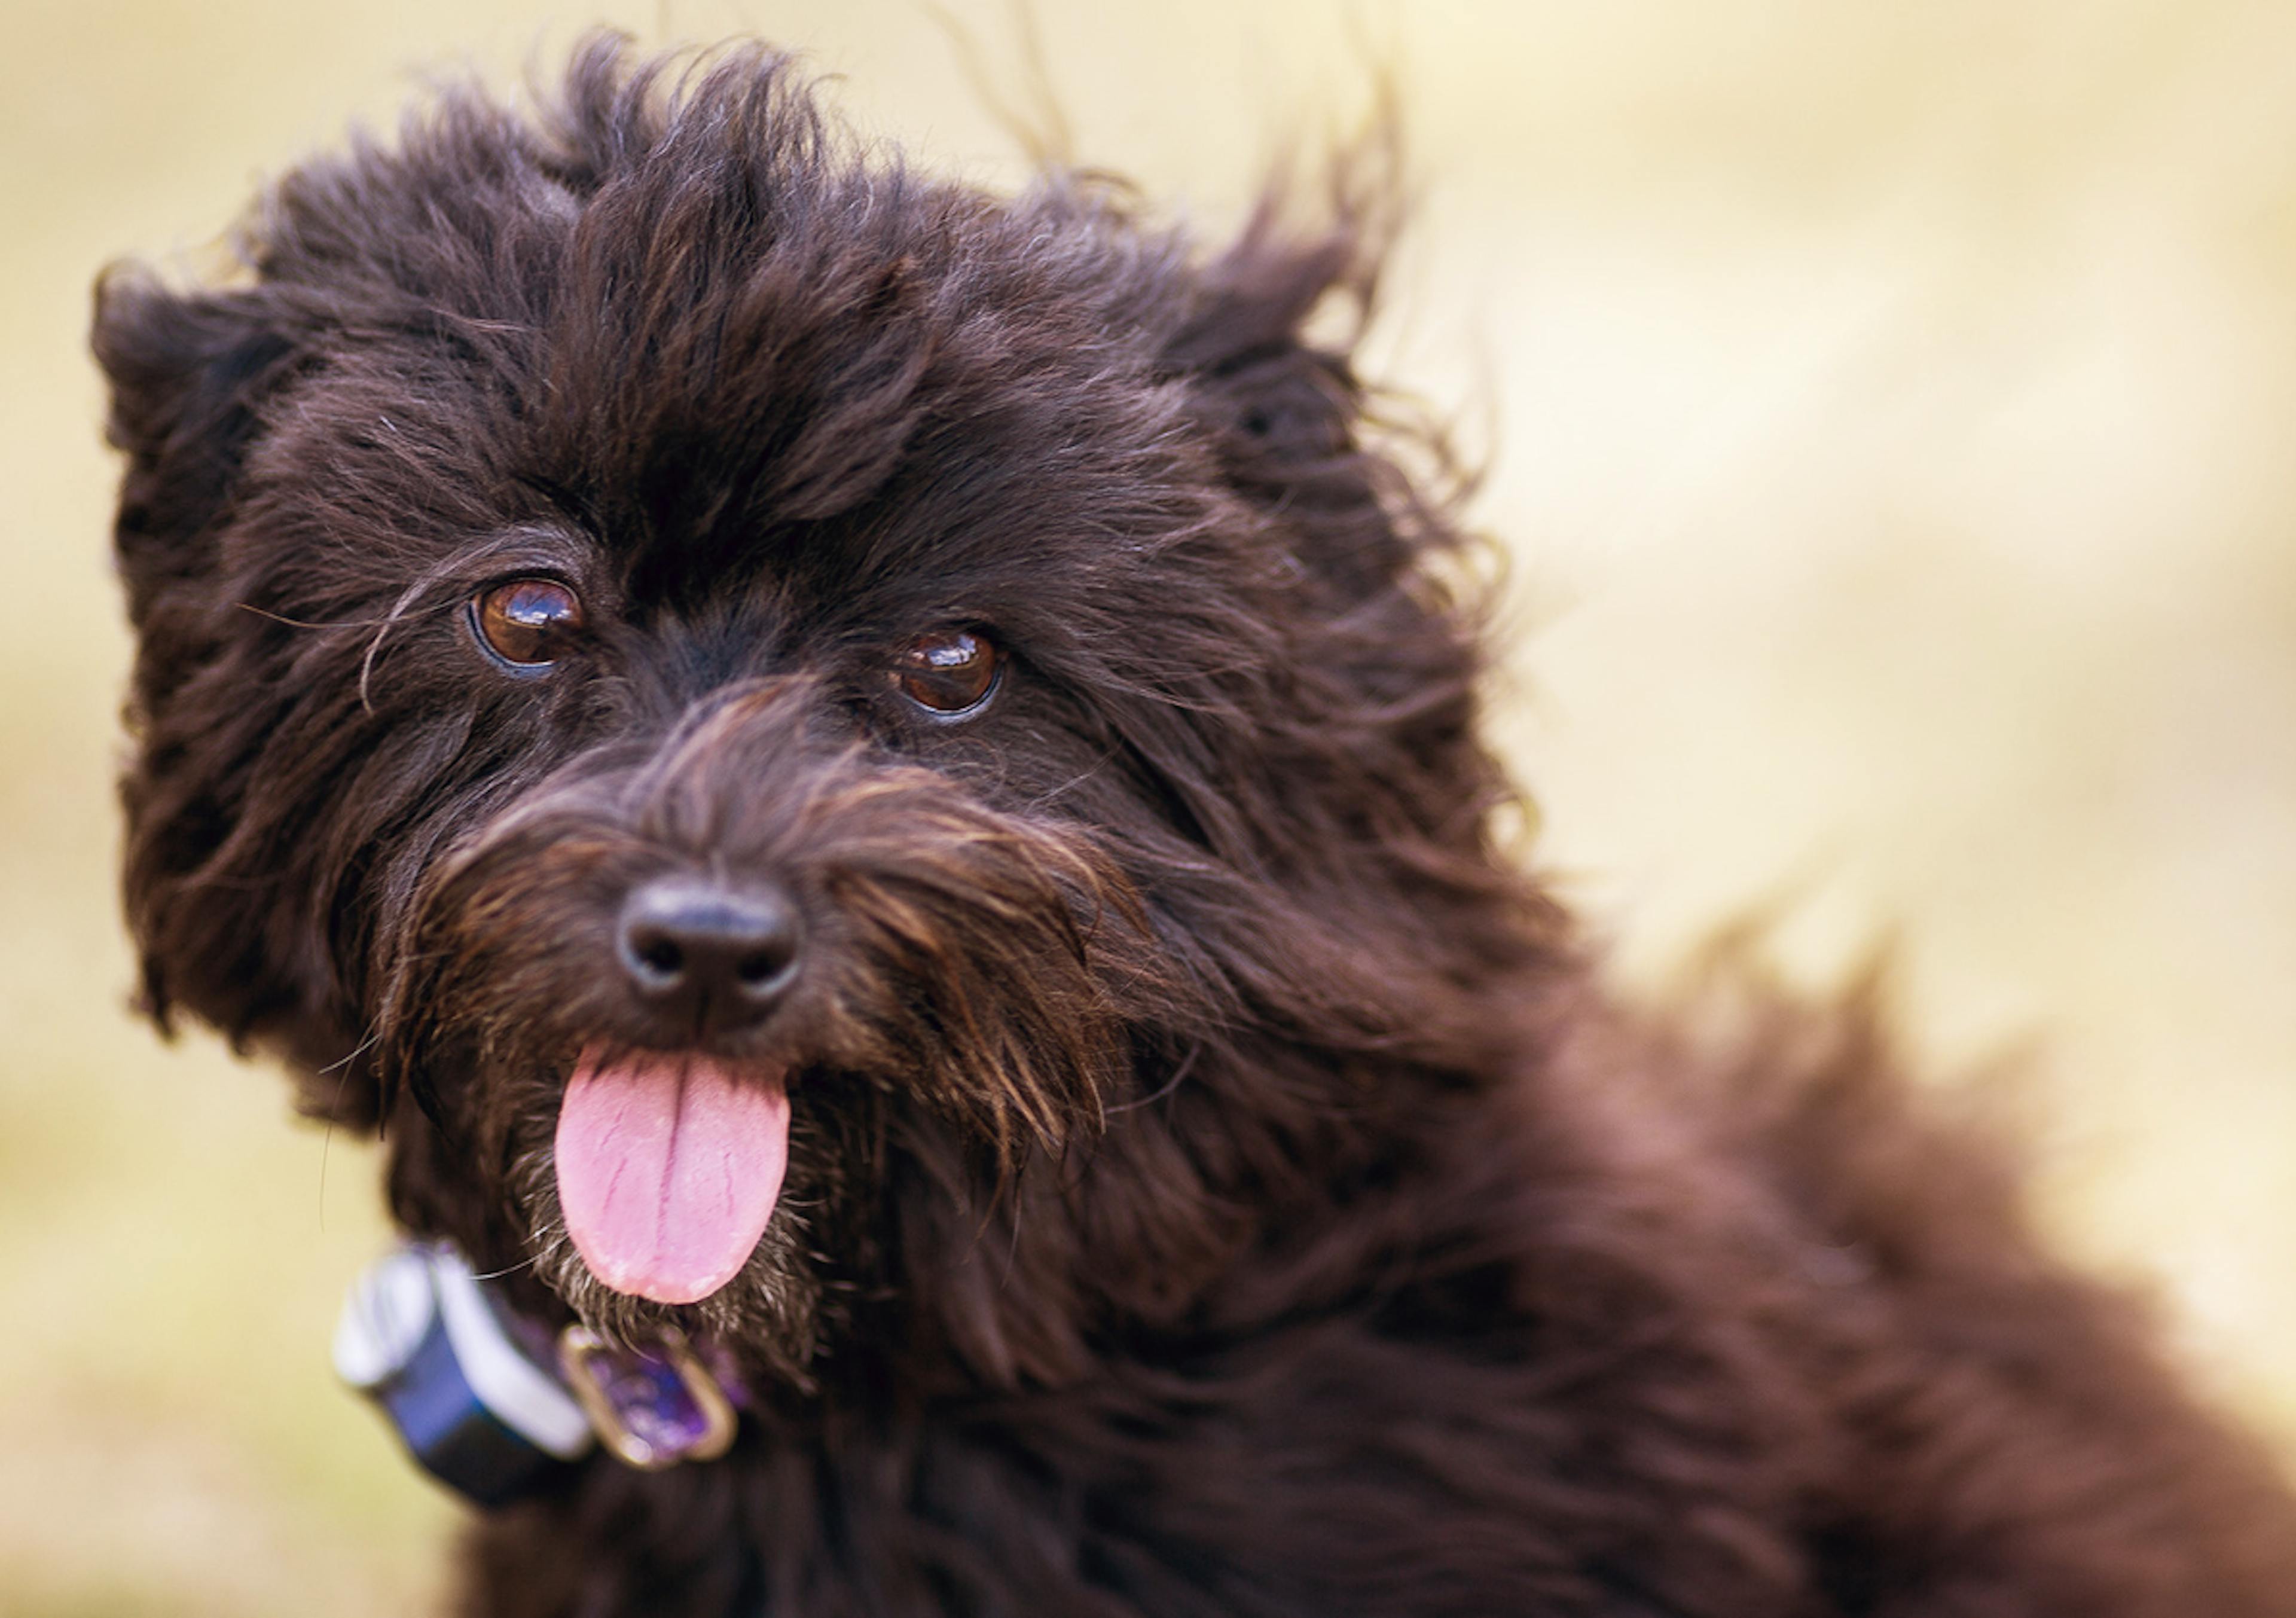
(645, 615)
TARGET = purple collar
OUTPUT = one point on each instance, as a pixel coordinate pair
(487, 1403)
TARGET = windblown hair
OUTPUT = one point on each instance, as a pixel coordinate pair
(1215, 1183)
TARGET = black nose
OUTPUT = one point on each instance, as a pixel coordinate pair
(708, 957)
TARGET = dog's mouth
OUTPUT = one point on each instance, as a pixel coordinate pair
(669, 1167)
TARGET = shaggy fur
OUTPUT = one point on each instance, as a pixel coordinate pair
(1216, 1184)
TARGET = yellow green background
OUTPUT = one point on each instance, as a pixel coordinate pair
(1892, 411)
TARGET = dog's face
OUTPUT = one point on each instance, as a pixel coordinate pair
(731, 698)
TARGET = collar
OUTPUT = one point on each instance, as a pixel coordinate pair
(489, 1404)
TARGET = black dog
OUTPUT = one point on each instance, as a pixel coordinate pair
(888, 779)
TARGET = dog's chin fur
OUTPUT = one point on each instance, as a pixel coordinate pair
(1217, 1183)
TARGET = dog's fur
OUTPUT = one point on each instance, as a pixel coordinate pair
(1216, 1184)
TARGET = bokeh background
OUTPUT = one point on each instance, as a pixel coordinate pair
(1890, 410)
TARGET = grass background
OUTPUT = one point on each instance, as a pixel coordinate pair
(1891, 410)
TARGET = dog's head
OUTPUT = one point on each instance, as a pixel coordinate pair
(732, 699)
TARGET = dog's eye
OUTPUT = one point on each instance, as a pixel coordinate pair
(948, 673)
(526, 621)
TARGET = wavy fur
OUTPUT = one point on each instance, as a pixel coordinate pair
(1217, 1184)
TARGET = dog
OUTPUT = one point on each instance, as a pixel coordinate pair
(878, 790)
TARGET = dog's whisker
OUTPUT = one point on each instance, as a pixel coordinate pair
(1180, 1072)
(407, 597)
(300, 623)
(354, 1054)
(508, 1270)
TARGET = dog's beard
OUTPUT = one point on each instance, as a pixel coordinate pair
(959, 1006)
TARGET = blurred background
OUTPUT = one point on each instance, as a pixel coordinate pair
(1890, 411)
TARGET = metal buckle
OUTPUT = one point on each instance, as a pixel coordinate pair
(652, 1407)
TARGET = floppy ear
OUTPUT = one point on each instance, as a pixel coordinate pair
(1285, 409)
(187, 373)
(190, 376)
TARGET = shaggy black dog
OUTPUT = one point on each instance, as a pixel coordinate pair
(890, 776)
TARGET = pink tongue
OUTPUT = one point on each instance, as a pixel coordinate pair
(667, 1170)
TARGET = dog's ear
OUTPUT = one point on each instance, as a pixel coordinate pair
(188, 371)
(1268, 350)
(191, 374)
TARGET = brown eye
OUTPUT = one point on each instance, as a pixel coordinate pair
(951, 672)
(526, 623)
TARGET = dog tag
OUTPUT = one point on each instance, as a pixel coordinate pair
(653, 1407)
